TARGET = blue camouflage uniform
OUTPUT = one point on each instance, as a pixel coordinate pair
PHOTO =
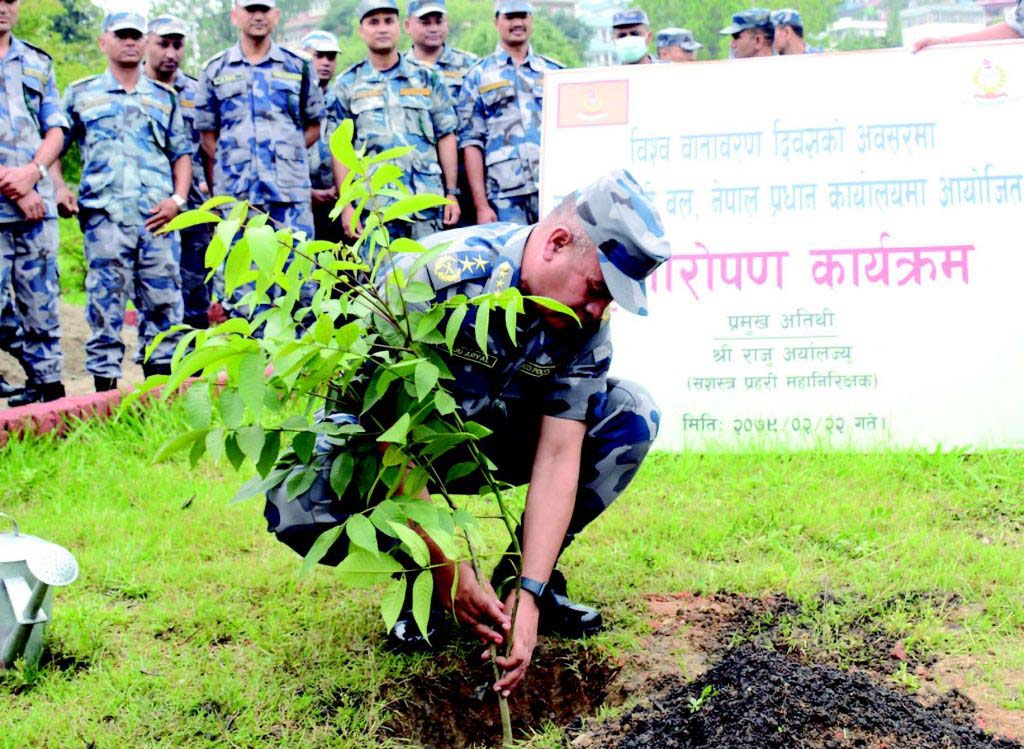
(499, 112)
(321, 171)
(545, 373)
(129, 142)
(791, 17)
(453, 64)
(407, 105)
(29, 107)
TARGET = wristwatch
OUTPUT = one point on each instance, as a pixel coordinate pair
(178, 201)
(535, 587)
(453, 191)
(41, 168)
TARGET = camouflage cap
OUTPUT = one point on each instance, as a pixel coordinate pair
(624, 224)
(254, 3)
(630, 17)
(676, 37)
(420, 8)
(319, 40)
(512, 6)
(786, 17)
(755, 18)
(366, 7)
(167, 26)
(124, 20)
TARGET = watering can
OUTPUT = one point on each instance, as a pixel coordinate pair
(29, 568)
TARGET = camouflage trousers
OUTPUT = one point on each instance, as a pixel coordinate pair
(11, 334)
(621, 426)
(28, 268)
(521, 209)
(195, 291)
(431, 223)
(128, 262)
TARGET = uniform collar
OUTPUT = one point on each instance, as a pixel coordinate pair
(110, 83)
(16, 50)
(505, 57)
(447, 55)
(234, 54)
(505, 271)
(403, 69)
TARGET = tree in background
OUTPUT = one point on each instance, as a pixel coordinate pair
(67, 30)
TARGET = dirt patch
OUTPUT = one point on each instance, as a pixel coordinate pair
(74, 331)
(455, 708)
(760, 699)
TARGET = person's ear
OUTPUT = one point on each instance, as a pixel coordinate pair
(558, 241)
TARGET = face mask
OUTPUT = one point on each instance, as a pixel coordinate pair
(630, 49)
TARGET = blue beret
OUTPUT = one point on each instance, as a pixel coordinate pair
(123, 20)
(786, 17)
(630, 17)
(755, 18)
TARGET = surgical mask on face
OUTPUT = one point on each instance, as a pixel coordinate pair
(630, 49)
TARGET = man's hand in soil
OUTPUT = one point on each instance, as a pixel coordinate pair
(524, 640)
(67, 203)
(161, 213)
(475, 606)
(32, 206)
(17, 182)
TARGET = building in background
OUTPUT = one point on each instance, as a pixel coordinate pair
(597, 14)
(941, 21)
(296, 27)
(856, 28)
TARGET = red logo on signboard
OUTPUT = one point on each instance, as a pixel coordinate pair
(590, 104)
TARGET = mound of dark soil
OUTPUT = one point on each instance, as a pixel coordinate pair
(760, 699)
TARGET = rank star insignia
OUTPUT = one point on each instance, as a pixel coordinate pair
(446, 269)
(466, 264)
(481, 262)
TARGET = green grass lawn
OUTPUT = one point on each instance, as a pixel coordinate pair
(190, 627)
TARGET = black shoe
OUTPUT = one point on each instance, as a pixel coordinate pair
(156, 369)
(103, 384)
(405, 636)
(561, 616)
(43, 393)
(8, 390)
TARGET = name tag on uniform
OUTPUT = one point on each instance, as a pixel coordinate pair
(227, 78)
(147, 102)
(363, 93)
(414, 92)
(536, 370)
(454, 74)
(475, 355)
(187, 103)
(94, 101)
(37, 74)
(285, 75)
(492, 86)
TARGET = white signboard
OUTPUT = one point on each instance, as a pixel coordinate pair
(847, 241)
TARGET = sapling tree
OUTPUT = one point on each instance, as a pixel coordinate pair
(345, 328)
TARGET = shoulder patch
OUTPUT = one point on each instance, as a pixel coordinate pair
(165, 86)
(492, 86)
(40, 50)
(551, 60)
(214, 59)
(351, 68)
(188, 77)
(458, 265)
(467, 55)
(301, 54)
(81, 81)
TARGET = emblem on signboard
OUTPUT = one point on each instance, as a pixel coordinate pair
(594, 103)
(990, 80)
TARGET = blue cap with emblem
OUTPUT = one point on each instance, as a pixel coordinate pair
(254, 3)
(319, 40)
(366, 7)
(124, 21)
(630, 17)
(167, 26)
(786, 17)
(755, 18)
(420, 8)
(624, 223)
(512, 6)
(675, 37)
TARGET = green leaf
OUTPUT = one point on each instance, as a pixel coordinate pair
(422, 592)
(251, 372)
(341, 146)
(417, 292)
(511, 313)
(428, 323)
(189, 219)
(319, 549)
(232, 409)
(256, 486)
(216, 202)
(215, 444)
(299, 481)
(551, 304)
(416, 481)
(426, 379)
(398, 431)
(386, 512)
(250, 441)
(178, 443)
(303, 444)
(341, 472)
(262, 246)
(413, 204)
(417, 546)
(362, 533)
(460, 471)
(361, 569)
(198, 407)
(483, 322)
(391, 602)
(444, 403)
(198, 448)
(270, 452)
(454, 325)
(235, 455)
(390, 153)
(477, 430)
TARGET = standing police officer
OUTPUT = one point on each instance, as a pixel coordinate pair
(136, 172)
(789, 33)
(500, 118)
(752, 34)
(677, 45)
(165, 48)
(258, 109)
(631, 33)
(32, 127)
(322, 47)
(394, 101)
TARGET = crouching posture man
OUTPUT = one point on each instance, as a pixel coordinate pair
(559, 422)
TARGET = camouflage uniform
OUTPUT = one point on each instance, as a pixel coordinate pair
(407, 105)
(260, 113)
(321, 177)
(545, 373)
(499, 111)
(1017, 21)
(29, 107)
(129, 142)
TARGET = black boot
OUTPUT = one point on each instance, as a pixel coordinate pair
(38, 393)
(405, 636)
(8, 390)
(103, 384)
(149, 369)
